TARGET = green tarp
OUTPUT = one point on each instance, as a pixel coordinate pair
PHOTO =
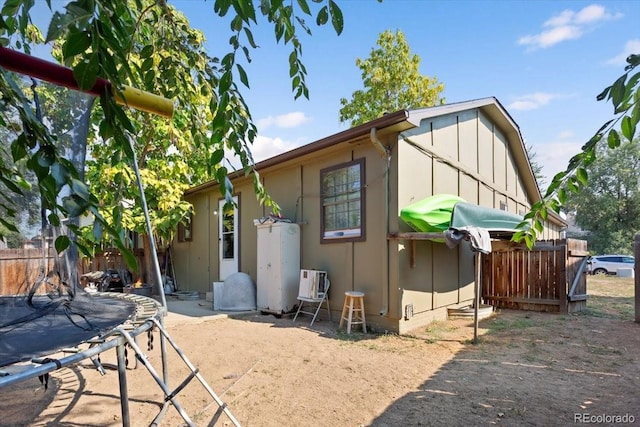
(439, 212)
(469, 215)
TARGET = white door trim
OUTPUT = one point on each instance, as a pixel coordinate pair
(227, 239)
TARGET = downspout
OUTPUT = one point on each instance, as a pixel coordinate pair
(385, 153)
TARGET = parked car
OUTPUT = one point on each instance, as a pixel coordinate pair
(609, 264)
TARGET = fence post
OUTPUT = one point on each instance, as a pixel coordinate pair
(636, 275)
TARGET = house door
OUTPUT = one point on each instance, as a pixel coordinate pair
(228, 239)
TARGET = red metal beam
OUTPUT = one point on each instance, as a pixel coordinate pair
(63, 76)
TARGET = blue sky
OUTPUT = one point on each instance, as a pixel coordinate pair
(545, 61)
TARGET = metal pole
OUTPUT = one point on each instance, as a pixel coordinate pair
(63, 76)
(122, 377)
(187, 362)
(152, 243)
(156, 377)
(636, 247)
(154, 256)
(477, 299)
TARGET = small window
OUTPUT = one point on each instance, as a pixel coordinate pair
(343, 200)
(184, 230)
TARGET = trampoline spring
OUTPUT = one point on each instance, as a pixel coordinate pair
(149, 340)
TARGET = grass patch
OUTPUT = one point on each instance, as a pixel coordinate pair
(500, 324)
(610, 297)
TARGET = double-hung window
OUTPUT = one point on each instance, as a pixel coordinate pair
(343, 200)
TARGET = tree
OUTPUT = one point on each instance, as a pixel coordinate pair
(624, 95)
(392, 82)
(118, 40)
(609, 207)
(536, 167)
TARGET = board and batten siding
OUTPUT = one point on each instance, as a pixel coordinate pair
(464, 154)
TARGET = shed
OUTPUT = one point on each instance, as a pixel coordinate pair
(346, 192)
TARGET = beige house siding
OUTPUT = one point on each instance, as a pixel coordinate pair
(463, 153)
(467, 155)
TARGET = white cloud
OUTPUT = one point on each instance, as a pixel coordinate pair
(568, 25)
(632, 46)
(566, 134)
(554, 156)
(263, 147)
(531, 101)
(288, 120)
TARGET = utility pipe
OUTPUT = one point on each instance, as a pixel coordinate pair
(386, 155)
(63, 76)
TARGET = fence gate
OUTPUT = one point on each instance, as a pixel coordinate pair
(550, 277)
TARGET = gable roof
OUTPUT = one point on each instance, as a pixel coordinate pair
(493, 109)
(402, 120)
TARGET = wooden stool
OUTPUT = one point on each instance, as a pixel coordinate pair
(353, 310)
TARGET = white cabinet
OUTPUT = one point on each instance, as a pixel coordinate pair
(278, 266)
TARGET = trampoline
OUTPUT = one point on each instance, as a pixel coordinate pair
(39, 324)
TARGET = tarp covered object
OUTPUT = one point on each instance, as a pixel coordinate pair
(430, 215)
(495, 221)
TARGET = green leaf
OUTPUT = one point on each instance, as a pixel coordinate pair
(57, 26)
(46, 156)
(74, 206)
(323, 16)
(147, 51)
(80, 189)
(337, 20)
(613, 139)
(537, 225)
(18, 148)
(54, 219)
(582, 176)
(59, 173)
(250, 39)
(10, 226)
(529, 240)
(243, 75)
(562, 196)
(97, 230)
(86, 72)
(225, 82)
(11, 7)
(628, 128)
(62, 243)
(617, 91)
(602, 95)
(77, 42)
(304, 6)
(216, 157)
(633, 60)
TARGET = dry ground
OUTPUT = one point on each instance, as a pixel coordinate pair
(528, 369)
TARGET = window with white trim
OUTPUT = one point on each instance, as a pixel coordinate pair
(343, 200)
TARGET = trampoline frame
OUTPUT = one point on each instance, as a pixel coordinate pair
(148, 318)
(126, 333)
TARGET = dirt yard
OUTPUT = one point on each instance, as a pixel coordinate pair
(528, 369)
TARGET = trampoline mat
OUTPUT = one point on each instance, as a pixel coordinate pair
(47, 326)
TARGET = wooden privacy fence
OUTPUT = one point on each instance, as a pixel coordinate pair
(550, 277)
(20, 269)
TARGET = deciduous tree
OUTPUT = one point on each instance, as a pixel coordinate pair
(609, 206)
(392, 82)
(148, 45)
(624, 95)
